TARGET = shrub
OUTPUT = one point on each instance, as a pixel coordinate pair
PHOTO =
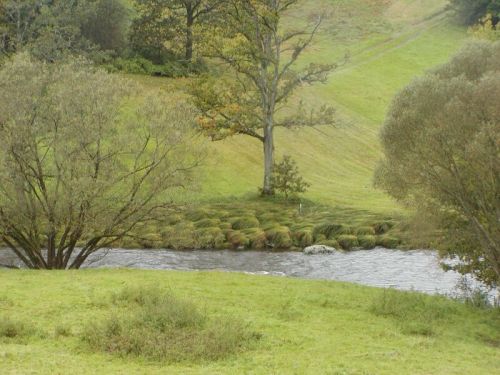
(286, 178)
(347, 241)
(388, 242)
(279, 237)
(159, 326)
(367, 242)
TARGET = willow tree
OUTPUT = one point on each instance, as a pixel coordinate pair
(259, 56)
(85, 157)
(441, 143)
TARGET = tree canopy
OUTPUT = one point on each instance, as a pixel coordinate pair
(85, 157)
(441, 143)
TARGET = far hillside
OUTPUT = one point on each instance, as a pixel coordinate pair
(389, 42)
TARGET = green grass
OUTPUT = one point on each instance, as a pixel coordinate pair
(301, 327)
(390, 43)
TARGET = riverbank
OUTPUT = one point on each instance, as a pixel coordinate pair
(266, 224)
(304, 327)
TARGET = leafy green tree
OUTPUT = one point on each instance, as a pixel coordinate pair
(287, 179)
(252, 94)
(16, 19)
(85, 157)
(107, 24)
(441, 143)
(471, 11)
(164, 22)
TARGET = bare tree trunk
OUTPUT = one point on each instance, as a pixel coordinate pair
(189, 35)
(267, 188)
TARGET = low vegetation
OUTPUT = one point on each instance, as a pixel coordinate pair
(154, 324)
(120, 321)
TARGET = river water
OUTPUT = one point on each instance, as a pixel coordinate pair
(417, 270)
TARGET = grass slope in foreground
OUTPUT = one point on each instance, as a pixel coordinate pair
(306, 327)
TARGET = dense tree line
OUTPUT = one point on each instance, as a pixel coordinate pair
(470, 12)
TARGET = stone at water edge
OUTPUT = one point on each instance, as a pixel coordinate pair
(319, 249)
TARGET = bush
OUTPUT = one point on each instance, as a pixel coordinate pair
(367, 242)
(388, 242)
(279, 238)
(244, 222)
(286, 178)
(347, 241)
(159, 326)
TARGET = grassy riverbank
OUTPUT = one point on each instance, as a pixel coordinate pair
(303, 327)
(389, 43)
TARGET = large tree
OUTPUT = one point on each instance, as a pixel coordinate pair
(163, 22)
(259, 56)
(85, 157)
(441, 142)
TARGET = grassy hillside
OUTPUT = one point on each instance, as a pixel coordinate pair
(305, 327)
(390, 42)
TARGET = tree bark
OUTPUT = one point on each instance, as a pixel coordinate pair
(189, 35)
(267, 188)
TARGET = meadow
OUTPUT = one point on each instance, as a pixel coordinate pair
(389, 44)
(296, 326)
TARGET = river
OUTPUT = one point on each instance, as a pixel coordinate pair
(417, 270)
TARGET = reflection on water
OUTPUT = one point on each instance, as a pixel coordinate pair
(418, 269)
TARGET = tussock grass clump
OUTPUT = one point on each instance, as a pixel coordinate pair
(388, 242)
(210, 238)
(159, 326)
(415, 313)
(279, 238)
(237, 239)
(207, 223)
(12, 329)
(348, 241)
(365, 231)
(303, 238)
(382, 227)
(246, 222)
(367, 242)
(257, 238)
